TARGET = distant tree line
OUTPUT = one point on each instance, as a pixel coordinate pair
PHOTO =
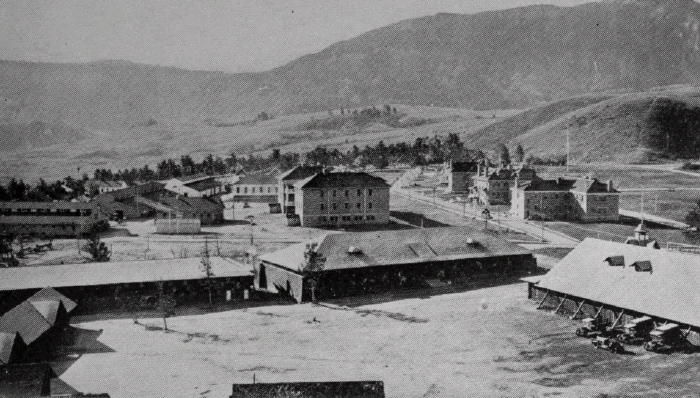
(423, 151)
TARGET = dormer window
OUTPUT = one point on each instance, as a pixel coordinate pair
(615, 261)
(642, 266)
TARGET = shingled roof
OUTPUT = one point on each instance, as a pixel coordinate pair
(397, 247)
(116, 272)
(9, 343)
(26, 320)
(666, 286)
(300, 172)
(49, 293)
(342, 180)
(463, 167)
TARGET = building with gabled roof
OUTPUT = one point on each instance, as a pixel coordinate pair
(100, 186)
(195, 186)
(50, 219)
(391, 259)
(343, 198)
(95, 287)
(579, 199)
(492, 186)
(620, 281)
(259, 187)
(285, 186)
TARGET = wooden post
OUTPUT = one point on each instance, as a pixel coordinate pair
(618, 319)
(597, 314)
(561, 302)
(543, 299)
(578, 310)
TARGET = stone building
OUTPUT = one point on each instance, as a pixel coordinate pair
(580, 199)
(460, 176)
(334, 199)
(285, 185)
(492, 186)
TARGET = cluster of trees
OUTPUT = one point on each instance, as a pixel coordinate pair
(18, 190)
(360, 117)
(674, 126)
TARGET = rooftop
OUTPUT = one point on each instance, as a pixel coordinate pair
(48, 205)
(26, 320)
(397, 247)
(669, 291)
(464, 167)
(116, 272)
(189, 203)
(257, 179)
(342, 180)
(300, 172)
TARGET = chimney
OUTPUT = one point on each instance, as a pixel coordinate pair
(610, 186)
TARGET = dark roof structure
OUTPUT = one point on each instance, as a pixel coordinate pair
(183, 203)
(48, 205)
(381, 248)
(653, 282)
(257, 179)
(464, 167)
(26, 380)
(300, 173)
(343, 180)
(559, 184)
(591, 185)
(335, 389)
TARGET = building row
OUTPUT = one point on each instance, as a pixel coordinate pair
(532, 197)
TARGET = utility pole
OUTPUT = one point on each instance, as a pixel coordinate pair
(568, 151)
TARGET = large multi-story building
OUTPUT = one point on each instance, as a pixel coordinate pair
(49, 219)
(333, 199)
(460, 176)
(285, 185)
(255, 188)
(492, 186)
(580, 199)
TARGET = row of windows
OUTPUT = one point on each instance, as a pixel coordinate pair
(260, 189)
(334, 193)
(53, 212)
(334, 206)
(334, 219)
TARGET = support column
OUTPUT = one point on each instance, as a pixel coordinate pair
(561, 302)
(543, 299)
(617, 319)
(578, 310)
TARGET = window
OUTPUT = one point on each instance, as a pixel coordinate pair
(335, 206)
(345, 218)
(269, 189)
(359, 192)
(347, 205)
(320, 193)
(323, 219)
(245, 189)
(334, 219)
(252, 189)
(358, 218)
(323, 207)
(359, 205)
(370, 218)
(238, 189)
(369, 205)
(347, 193)
(369, 192)
(334, 192)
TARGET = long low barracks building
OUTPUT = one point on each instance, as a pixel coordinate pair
(620, 282)
(369, 262)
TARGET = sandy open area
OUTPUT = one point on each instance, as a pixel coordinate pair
(488, 342)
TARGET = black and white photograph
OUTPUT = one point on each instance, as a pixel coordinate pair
(350, 198)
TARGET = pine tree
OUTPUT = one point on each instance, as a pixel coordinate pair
(312, 267)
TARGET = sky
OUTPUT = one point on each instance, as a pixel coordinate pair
(232, 36)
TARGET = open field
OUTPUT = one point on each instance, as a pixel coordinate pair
(487, 343)
(619, 232)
